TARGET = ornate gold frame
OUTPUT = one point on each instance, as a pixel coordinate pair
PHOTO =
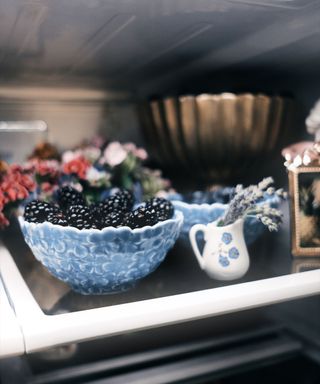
(294, 194)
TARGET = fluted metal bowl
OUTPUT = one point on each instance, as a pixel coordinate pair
(216, 135)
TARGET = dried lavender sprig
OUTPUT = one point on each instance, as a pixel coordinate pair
(274, 215)
(244, 200)
(267, 221)
(264, 183)
(266, 210)
(270, 220)
(281, 193)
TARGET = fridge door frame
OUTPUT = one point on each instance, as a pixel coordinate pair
(11, 336)
(41, 331)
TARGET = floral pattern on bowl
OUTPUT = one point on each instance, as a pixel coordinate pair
(206, 213)
(103, 261)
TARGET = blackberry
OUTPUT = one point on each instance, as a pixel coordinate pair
(114, 219)
(140, 217)
(57, 218)
(37, 211)
(162, 208)
(96, 215)
(127, 199)
(95, 209)
(68, 196)
(80, 217)
(113, 203)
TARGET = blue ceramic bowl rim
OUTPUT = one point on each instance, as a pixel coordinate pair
(178, 217)
(182, 204)
(198, 206)
(206, 206)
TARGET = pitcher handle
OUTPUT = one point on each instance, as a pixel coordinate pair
(193, 239)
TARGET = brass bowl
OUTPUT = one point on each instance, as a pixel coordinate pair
(215, 135)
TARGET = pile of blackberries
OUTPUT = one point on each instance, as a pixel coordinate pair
(116, 211)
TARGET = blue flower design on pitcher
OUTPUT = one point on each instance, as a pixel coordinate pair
(233, 253)
(226, 238)
(225, 254)
(224, 261)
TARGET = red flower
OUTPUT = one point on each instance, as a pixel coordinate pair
(28, 182)
(78, 166)
(47, 187)
(44, 167)
(13, 190)
(15, 185)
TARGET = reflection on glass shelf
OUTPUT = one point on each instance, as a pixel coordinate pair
(303, 264)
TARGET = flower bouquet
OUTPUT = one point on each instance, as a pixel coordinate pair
(95, 168)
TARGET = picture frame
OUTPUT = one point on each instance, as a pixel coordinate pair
(304, 187)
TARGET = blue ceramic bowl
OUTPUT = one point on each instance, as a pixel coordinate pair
(99, 262)
(206, 213)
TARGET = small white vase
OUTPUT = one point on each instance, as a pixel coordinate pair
(225, 255)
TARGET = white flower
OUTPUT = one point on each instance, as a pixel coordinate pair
(93, 175)
(71, 155)
(114, 154)
(92, 153)
(76, 186)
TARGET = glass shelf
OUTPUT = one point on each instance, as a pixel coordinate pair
(179, 273)
(178, 291)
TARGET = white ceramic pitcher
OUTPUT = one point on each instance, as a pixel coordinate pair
(225, 255)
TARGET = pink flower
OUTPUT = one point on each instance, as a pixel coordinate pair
(114, 154)
(140, 153)
(97, 141)
(78, 166)
(129, 147)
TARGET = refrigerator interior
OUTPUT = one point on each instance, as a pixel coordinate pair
(82, 67)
